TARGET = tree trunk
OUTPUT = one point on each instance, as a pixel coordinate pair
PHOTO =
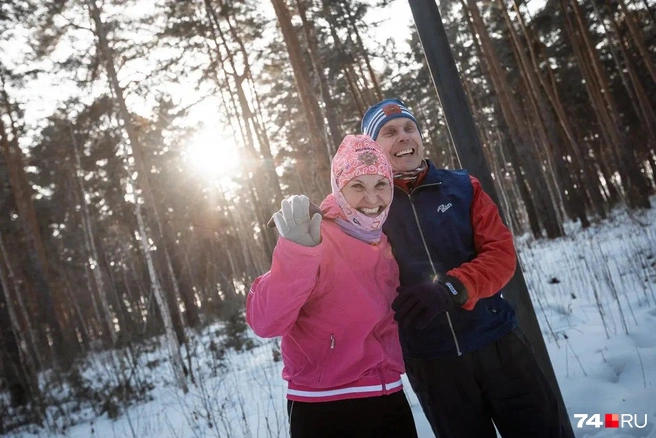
(267, 238)
(638, 95)
(92, 260)
(142, 183)
(511, 189)
(38, 267)
(171, 339)
(605, 154)
(319, 150)
(651, 13)
(346, 61)
(545, 125)
(313, 50)
(354, 25)
(638, 39)
(186, 286)
(25, 383)
(250, 127)
(542, 120)
(599, 89)
(358, 99)
(32, 336)
(510, 109)
(252, 124)
(507, 142)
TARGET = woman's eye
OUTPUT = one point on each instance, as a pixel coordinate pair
(357, 187)
(381, 185)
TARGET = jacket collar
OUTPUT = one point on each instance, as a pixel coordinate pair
(434, 176)
(431, 177)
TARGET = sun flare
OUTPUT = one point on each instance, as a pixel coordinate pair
(213, 155)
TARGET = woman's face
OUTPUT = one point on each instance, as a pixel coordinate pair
(369, 194)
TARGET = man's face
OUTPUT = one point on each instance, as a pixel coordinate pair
(401, 141)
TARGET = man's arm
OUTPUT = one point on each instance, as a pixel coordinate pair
(495, 262)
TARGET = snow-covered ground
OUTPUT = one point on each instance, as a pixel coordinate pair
(595, 295)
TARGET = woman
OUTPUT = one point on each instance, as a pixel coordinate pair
(328, 294)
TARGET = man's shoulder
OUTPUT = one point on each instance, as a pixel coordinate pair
(452, 182)
(447, 176)
(454, 173)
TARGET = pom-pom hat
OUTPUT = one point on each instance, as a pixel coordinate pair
(382, 112)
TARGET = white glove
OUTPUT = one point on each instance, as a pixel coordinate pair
(293, 221)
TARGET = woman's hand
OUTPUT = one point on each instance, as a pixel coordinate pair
(293, 221)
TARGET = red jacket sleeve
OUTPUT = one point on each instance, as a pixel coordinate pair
(495, 262)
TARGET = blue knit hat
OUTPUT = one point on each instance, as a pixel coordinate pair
(381, 113)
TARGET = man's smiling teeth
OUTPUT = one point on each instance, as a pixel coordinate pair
(369, 210)
(404, 152)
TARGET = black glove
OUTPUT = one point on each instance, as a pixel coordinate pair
(420, 303)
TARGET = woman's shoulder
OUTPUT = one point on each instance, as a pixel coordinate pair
(331, 233)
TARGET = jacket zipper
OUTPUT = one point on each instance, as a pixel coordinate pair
(430, 260)
(382, 380)
(325, 360)
(380, 372)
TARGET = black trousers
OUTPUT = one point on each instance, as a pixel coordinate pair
(501, 382)
(386, 416)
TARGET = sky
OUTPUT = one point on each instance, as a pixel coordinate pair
(213, 151)
(48, 90)
(605, 361)
(43, 94)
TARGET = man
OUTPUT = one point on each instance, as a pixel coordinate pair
(466, 358)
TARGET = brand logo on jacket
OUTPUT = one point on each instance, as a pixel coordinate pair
(452, 289)
(444, 207)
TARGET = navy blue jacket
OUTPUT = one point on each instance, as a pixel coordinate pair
(449, 225)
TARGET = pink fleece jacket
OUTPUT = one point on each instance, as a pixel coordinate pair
(331, 305)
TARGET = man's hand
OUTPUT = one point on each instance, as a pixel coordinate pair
(293, 221)
(421, 303)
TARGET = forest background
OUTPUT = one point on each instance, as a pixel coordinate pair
(146, 144)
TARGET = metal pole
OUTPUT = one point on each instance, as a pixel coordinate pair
(462, 130)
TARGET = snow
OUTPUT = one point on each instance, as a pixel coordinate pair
(594, 292)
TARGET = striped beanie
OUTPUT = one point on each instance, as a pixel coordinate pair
(381, 113)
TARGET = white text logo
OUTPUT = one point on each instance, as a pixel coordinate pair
(611, 421)
(444, 207)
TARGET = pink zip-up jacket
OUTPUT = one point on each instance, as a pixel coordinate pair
(332, 306)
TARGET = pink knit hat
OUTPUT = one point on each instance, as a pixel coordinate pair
(359, 155)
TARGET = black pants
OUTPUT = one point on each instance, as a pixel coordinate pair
(501, 382)
(386, 416)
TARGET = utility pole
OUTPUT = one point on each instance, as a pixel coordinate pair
(469, 150)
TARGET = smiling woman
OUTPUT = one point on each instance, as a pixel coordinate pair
(212, 154)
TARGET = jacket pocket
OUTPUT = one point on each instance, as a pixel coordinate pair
(496, 311)
(331, 347)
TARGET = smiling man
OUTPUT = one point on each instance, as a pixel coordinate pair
(466, 358)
